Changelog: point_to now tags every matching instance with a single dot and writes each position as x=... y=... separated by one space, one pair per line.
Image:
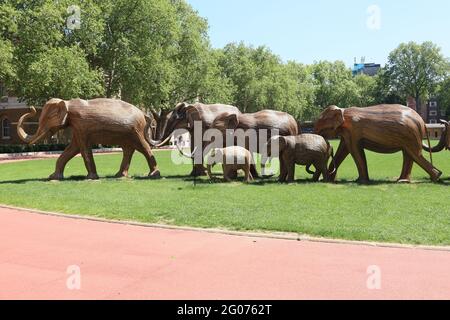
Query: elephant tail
x=308 y=169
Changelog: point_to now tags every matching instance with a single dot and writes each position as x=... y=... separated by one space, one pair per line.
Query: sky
x=314 y=30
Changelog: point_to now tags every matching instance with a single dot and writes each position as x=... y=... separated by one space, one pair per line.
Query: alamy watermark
x=373 y=21
x=73 y=281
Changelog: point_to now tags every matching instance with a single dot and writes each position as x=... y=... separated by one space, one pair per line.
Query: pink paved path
x=129 y=262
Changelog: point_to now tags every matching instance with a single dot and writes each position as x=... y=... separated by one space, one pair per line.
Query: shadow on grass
x=23 y=181
x=217 y=179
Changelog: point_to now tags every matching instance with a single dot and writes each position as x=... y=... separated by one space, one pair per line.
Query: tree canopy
x=156 y=53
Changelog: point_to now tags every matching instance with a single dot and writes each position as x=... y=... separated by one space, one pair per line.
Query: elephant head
x=329 y=122
x=276 y=145
x=182 y=117
x=53 y=117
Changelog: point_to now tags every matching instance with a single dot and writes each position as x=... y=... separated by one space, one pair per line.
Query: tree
x=48 y=58
x=415 y=69
x=334 y=85
x=366 y=90
x=443 y=95
x=7 y=70
x=62 y=73
x=156 y=53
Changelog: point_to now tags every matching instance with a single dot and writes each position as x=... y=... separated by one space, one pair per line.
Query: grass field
x=384 y=211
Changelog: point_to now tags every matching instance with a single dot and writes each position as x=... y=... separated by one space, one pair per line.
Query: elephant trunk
x=185 y=154
x=165 y=138
x=442 y=143
x=25 y=137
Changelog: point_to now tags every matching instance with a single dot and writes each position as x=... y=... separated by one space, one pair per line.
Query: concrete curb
x=264 y=235
x=32 y=155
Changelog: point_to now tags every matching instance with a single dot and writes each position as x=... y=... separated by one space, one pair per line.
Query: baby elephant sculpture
x=99 y=121
x=232 y=160
x=305 y=149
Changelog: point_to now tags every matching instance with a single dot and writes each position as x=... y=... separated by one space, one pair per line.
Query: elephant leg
x=254 y=172
x=359 y=157
x=323 y=168
x=198 y=169
x=341 y=154
x=291 y=172
x=248 y=174
x=318 y=172
x=283 y=171
x=226 y=173
x=146 y=150
x=233 y=174
x=407 y=168
x=434 y=173
x=89 y=162
x=71 y=151
x=125 y=166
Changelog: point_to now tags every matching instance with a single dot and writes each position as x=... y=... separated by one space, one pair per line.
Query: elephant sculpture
x=444 y=142
x=232 y=159
x=99 y=121
x=273 y=121
x=306 y=150
x=383 y=129
x=183 y=117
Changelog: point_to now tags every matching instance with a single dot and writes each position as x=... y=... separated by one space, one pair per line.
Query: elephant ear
x=63 y=112
x=180 y=111
x=282 y=143
x=55 y=113
x=231 y=122
x=337 y=115
x=192 y=115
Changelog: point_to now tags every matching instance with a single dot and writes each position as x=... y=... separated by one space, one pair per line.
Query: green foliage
x=416 y=69
x=334 y=85
x=62 y=73
x=443 y=95
x=156 y=53
x=7 y=69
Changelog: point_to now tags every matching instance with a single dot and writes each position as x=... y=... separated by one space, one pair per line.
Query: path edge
x=264 y=235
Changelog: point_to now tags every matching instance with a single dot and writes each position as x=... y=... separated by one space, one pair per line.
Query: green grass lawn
x=418 y=213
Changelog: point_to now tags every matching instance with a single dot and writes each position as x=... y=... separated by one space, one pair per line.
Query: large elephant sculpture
x=184 y=117
x=275 y=122
x=444 y=142
x=99 y=121
x=382 y=129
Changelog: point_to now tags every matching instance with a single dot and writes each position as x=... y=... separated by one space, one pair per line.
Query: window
x=433 y=113
x=433 y=121
x=433 y=104
x=6 y=129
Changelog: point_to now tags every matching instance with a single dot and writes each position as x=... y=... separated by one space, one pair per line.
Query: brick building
x=431 y=114
x=10 y=112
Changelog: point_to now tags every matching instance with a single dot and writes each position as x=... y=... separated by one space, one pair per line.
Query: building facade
x=369 y=69
x=431 y=113
x=10 y=112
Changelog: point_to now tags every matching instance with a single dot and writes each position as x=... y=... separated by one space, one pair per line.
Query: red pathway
x=130 y=262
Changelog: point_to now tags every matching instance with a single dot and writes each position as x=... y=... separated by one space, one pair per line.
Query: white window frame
x=433 y=121
x=433 y=113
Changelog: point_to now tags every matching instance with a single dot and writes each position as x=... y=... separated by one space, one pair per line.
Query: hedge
x=23 y=148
